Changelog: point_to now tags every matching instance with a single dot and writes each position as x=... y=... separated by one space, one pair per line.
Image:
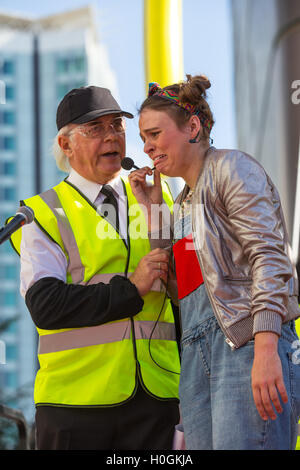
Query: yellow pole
x=163 y=41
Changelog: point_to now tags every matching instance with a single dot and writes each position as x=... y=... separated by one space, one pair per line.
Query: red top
x=188 y=272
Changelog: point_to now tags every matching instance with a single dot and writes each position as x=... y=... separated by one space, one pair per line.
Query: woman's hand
x=146 y=194
x=267 y=378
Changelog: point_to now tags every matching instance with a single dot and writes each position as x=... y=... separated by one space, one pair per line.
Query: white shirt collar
x=90 y=189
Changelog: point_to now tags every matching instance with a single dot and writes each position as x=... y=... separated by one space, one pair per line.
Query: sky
x=207 y=49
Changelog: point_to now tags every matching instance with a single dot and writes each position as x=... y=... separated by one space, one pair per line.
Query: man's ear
x=64 y=143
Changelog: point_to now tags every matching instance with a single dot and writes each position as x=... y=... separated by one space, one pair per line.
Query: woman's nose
x=148 y=148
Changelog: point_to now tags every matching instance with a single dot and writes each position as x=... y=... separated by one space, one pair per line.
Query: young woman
x=237 y=288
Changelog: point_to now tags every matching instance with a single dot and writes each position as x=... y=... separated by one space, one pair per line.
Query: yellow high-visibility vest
x=100 y=365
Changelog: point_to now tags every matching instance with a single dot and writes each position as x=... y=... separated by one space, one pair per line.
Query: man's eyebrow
x=91 y=123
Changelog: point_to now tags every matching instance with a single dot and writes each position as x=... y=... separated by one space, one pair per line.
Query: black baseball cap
x=84 y=104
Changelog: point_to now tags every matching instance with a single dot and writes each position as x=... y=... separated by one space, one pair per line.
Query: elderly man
x=108 y=355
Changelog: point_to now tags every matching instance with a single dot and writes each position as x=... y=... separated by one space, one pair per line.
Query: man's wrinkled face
x=95 y=149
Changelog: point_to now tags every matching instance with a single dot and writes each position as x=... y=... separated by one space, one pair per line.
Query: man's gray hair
x=61 y=159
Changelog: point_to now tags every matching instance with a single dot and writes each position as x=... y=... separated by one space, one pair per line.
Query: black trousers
x=143 y=423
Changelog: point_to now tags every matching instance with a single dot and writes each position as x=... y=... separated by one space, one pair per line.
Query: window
x=9 y=117
x=8 y=272
x=62 y=65
x=64 y=88
x=8 y=168
x=11 y=352
x=70 y=65
x=11 y=380
x=77 y=64
x=8 y=67
x=8 y=193
x=8 y=142
x=8 y=298
x=10 y=93
x=12 y=327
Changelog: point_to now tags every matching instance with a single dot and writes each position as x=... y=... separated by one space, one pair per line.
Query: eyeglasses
x=96 y=129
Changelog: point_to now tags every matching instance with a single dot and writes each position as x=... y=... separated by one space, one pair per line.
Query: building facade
x=40 y=61
x=266 y=38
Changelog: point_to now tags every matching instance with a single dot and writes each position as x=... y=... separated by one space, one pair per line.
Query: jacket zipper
x=227 y=337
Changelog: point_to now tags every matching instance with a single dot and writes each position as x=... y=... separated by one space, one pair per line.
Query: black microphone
x=25 y=215
x=127 y=163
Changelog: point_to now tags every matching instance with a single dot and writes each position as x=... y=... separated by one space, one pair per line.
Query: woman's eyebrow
x=150 y=129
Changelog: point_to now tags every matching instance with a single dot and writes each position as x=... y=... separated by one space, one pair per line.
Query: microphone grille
x=27 y=212
x=127 y=163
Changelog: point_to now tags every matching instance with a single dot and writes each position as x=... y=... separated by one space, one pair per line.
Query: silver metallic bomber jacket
x=242 y=246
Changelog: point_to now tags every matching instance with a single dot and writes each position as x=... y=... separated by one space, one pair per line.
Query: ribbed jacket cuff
x=267 y=321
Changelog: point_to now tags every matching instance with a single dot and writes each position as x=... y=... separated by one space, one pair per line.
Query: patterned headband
x=155 y=89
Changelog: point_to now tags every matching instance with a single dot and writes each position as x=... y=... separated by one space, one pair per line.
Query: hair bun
x=199 y=82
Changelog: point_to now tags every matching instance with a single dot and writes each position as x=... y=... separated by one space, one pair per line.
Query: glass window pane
x=62 y=65
x=9 y=142
x=9 y=168
x=10 y=272
x=10 y=194
x=79 y=64
x=9 y=117
x=10 y=298
x=11 y=352
x=8 y=67
x=12 y=327
x=9 y=93
x=11 y=380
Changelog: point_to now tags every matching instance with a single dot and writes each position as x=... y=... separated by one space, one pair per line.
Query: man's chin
x=110 y=170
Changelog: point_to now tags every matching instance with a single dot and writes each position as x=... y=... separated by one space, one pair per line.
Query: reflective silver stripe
x=102 y=334
x=156 y=287
x=162 y=330
x=75 y=267
x=82 y=337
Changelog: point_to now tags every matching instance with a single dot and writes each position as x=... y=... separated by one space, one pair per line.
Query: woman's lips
x=160 y=158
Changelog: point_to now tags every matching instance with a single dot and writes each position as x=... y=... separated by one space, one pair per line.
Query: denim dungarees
x=216 y=401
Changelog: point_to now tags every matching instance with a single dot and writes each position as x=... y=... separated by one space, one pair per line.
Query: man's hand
x=267 y=378
x=151 y=267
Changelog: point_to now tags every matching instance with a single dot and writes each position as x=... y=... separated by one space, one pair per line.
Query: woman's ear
x=195 y=129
